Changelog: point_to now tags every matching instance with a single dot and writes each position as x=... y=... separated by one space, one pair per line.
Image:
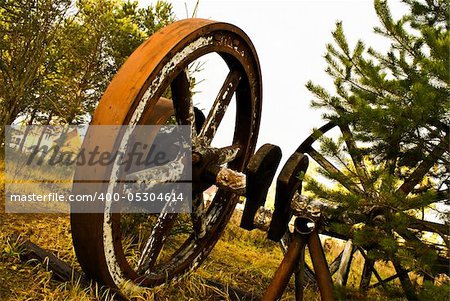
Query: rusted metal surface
x=197 y=215
x=219 y=107
x=262 y=219
x=308 y=142
x=323 y=277
x=285 y=270
x=308 y=218
x=288 y=182
x=260 y=172
x=300 y=276
x=133 y=98
x=227 y=154
x=305 y=234
x=231 y=180
x=304 y=225
x=309 y=273
x=155 y=242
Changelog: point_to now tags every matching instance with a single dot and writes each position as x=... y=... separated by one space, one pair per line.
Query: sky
x=290 y=39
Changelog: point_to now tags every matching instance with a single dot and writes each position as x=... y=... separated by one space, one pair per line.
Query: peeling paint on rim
x=215 y=215
x=242 y=59
x=108 y=244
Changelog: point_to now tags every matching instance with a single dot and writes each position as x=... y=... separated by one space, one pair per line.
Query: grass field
x=241 y=259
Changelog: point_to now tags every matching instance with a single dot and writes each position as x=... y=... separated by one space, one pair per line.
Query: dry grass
x=235 y=261
x=241 y=259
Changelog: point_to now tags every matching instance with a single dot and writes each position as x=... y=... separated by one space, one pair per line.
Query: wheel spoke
x=334 y=172
x=228 y=153
x=219 y=106
x=424 y=166
x=344 y=265
x=147 y=179
x=182 y=100
x=375 y=272
x=198 y=215
x=155 y=242
x=299 y=275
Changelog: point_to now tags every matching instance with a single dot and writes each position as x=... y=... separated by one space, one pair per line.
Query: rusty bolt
x=299 y=203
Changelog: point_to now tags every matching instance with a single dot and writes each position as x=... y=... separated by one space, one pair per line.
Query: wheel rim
x=182 y=42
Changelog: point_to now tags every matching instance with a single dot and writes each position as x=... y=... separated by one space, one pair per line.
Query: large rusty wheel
x=134 y=97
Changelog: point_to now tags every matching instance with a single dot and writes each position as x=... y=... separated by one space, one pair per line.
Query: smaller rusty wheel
x=148 y=250
x=344 y=267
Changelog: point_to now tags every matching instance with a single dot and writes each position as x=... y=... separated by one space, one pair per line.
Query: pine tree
x=58 y=56
x=393 y=111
